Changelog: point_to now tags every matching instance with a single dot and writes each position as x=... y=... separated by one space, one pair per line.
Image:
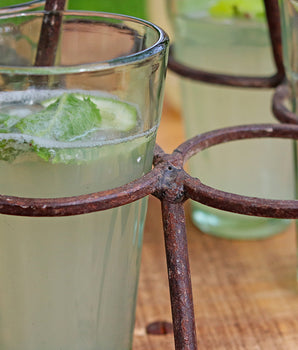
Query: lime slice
x=114 y=114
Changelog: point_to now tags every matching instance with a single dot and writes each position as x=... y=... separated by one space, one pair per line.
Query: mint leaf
x=115 y=114
x=250 y=9
x=10 y=149
x=66 y=119
x=7 y=122
x=70 y=117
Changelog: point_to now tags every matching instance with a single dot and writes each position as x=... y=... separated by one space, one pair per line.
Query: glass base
x=235 y=226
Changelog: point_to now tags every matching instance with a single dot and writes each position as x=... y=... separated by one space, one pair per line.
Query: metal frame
x=169 y=182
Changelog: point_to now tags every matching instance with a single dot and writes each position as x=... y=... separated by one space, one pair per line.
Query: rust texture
x=274 y=26
x=159 y=328
x=179 y=275
x=55 y=5
x=50 y=31
x=273 y=17
x=81 y=204
x=195 y=190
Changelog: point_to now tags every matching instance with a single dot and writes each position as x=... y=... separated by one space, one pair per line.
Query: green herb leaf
x=250 y=9
x=7 y=122
x=70 y=117
x=67 y=119
x=10 y=149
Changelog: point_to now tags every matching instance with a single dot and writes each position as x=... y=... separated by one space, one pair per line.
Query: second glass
x=220 y=37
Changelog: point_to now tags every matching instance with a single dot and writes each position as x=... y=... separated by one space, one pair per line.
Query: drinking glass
x=85 y=124
x=225 y=40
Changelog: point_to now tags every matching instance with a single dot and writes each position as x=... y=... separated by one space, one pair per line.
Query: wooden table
x=245 y=293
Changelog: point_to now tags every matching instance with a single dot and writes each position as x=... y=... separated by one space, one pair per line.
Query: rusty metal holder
x=169 y=182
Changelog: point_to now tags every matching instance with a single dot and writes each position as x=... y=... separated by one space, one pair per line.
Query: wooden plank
x=245 y=293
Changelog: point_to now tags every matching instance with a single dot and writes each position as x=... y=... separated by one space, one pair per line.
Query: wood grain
x=245 y=292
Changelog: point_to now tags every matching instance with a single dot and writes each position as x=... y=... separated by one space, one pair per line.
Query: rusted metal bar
x=49 y=35
x=281 y=112
x=170 y=190
x=55 y=5
x=88 y=203
x=273 y=16
x=233 y=133
x=282 y=209
x=195 y=190
x=179 y=276
x=221 y=79
x=274 y=26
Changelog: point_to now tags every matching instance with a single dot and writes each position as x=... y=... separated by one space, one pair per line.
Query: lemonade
x=73 y=278
x=218 y=40
x=84 y=124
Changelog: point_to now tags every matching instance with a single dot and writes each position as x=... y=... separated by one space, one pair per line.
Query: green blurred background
x=137 y=8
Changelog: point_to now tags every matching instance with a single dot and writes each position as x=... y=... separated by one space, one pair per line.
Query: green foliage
x=250 y=9
x=135 y=8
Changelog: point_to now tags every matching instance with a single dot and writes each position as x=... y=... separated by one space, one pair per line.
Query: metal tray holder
x=173 y=186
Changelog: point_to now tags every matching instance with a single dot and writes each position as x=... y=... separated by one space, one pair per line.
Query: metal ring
x=285 y=116
x=222 y=79
x=66 y=206
x=203 y=194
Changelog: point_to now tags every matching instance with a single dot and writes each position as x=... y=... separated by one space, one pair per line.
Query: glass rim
x=155 y=49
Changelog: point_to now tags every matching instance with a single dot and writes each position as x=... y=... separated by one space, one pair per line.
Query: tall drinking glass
x=231 y=38
x=88 y=123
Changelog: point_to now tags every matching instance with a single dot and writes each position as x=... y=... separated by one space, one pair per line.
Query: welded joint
x=171 y=183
